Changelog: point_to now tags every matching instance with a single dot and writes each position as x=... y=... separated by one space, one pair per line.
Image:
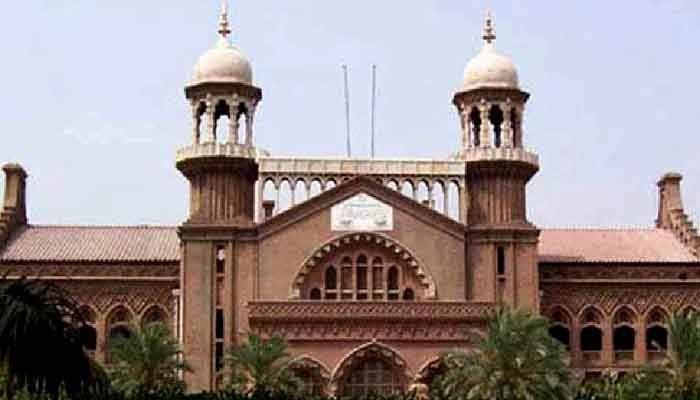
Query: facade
x=377 y=265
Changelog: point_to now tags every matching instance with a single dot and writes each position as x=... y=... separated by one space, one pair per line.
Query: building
x=378 y=265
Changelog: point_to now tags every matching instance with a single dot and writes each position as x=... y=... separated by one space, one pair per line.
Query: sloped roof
x=612 y=245
x=52 y=243
x=93 y=244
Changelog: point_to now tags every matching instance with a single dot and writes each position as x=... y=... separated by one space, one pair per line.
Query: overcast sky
x=93 y=106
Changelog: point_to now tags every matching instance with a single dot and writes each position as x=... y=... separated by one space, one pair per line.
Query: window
x=408 y=294
x=392 y=283
x=220 y=259
x=88 y=337
x=657 y=338
x=372 y=376
x=315 y=294
x=475 y=126
x=591 y=339
x=561 y=334
x=500 y=261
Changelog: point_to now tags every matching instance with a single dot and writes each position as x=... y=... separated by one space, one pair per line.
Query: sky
x=93 y=107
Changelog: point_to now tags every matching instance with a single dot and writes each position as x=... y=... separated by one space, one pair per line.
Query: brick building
x=374 y=266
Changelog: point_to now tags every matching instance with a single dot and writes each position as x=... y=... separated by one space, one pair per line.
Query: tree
x=261 y=366
x=146 y=361
x=683 y=361
x=516 y=360
x=40 y=342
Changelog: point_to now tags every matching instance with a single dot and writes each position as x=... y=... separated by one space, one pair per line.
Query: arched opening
x=657 y=334
x=315 y=294
x=200 y=111
x=154 y=314
x=624 y=334
x=372 y=376
x=439 y=199
x=407 y=189
x=346 y=286
x=88 y=338
x=423 y=194
x=312 y=376
x=300 y=192
x=115 y=335
x=377 y=278
x=392 y=283
x=496 y=120
x=361 y=277
x=284 y=196
x=330 y=184
x=408 y=295
x=623 y=342
x=475 y=126
x=591 y=339
x=331 y=283
x=222 y=115
x=393 y=185
x=515 y=127
x=453 y=200
x=561 y=334
x=242 y=123
x=315 y=188
x=270 y=197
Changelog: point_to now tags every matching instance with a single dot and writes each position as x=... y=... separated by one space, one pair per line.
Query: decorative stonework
x=396 y=321
x=673 y=272
x=362 y=212
x=137 y=296
x=366 y=238
x=610 y=298
x=92 y=271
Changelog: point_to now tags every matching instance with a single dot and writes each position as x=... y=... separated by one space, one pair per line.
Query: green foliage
x=646 y=384
x=683 y=362
x=261 y=366
x=39 y=321
x=517 y=360
x=148 y=361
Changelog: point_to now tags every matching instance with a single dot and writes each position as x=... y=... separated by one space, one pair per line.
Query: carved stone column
x=195 y=123
x=249 y=118
x=233 y=126
x=507 y=129
x=485 y=131
x=211 y=126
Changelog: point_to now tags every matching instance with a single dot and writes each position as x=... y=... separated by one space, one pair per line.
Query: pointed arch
x=560 y=324
x=313 y=374
x=429 y=290
x=429 y=370
x=373 y=351
x=154 y=313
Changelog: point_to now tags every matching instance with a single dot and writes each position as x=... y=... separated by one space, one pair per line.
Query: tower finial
x=489 y=34
x=224 y=30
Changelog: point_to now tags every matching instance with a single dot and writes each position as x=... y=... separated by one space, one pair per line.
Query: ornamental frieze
x=609 y=298
x=137 y=296
x=620 y=272
x=93 y=270
x=350 y=310
x=427 y=331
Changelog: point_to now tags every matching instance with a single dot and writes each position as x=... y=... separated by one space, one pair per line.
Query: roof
x=93 y=244
x=612 y=245
x=54 y=243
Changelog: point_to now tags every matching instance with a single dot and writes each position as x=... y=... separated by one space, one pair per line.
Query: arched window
x=475 y=126
x=392 y=283
x=315 y=294
x=361 y=277
x=408 y=294
x=657 y=334
x=561 y=327
x=346 y=284
x=496 y=120
x=372 y=376
x=377 y=278
x=88 y=338
x=154 y=314
x=115 y=334
x=591 y=339
x=624 y=334
x=561 y=334
x=331 y=283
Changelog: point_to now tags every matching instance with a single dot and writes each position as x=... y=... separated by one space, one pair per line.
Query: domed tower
x=217 y=249
x=502 y=243
x=220 y=160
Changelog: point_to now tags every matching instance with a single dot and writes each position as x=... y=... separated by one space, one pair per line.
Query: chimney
x=670 y=200
x=14 y=209
x=268 y=208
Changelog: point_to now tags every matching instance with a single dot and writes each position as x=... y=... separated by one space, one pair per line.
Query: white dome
x=490 y=69
x=223 y=63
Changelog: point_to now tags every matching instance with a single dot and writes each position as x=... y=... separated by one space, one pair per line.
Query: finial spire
x=489 y=34
x=224 y=30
